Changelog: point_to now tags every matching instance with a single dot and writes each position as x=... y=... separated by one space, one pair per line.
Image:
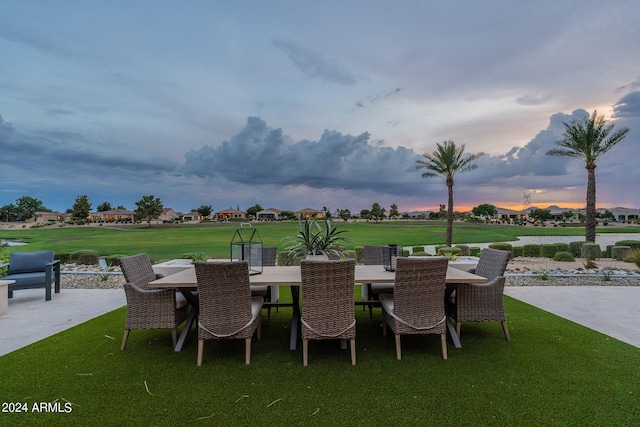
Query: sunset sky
x=296 y=104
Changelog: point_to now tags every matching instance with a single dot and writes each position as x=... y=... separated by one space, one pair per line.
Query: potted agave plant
x=314 y=241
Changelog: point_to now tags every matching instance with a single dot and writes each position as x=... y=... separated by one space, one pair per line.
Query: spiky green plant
x=314 y=239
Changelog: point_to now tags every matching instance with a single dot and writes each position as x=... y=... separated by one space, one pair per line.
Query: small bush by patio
x=563 y=247
x=475 y=250
x=446 y=251
x=591 y=250
x=420 y=253
x=634 y=257
x=563 y=256
x=531 y=250
x=518 y=251
x=620 y=252
x=84 y=257
x=548 y=250
x=464 y=249
x=576 y=248
x=634 y=244
x=417 y=249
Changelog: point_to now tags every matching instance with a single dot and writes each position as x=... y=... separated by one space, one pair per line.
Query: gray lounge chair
x=32 y=270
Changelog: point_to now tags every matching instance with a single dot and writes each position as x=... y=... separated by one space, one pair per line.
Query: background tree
x=377 y=212
x=253 y=210
x=588 y=139
x=149 y=208
x=104 y=206
x=393 y=211
x=344 y=214
x=81 y=208
x=447 y=161
x=326 y=212
x=27 y=206
x=485 y=210
x=365 y=214
x=8 y=213
x=541 y=215
x=567 y=214
x=287 y=215
x=204 y=210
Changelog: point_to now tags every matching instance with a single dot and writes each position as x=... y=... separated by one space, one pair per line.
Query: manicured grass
x=553 y=372
x=171 y=241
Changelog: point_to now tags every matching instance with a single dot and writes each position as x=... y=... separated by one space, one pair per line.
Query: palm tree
x=447 y=161
x=588 y=139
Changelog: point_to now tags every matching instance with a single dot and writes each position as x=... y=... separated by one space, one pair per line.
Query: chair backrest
x=492 y=263
x=419 y=290
x=327 y=294
x=29 y=262
x=224 y=294
x=374 y=255
x=137 y=269
x=269 y=255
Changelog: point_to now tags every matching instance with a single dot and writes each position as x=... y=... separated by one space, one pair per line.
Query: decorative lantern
x=389 y=256
x=246 y=245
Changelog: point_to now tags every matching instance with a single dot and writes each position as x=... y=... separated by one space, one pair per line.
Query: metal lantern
x=389 y=256
x=246 y=245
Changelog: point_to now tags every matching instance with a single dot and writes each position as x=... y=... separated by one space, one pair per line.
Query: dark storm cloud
x=261 y=155
x=314 y=65
x=628 y=106
x=69 y=152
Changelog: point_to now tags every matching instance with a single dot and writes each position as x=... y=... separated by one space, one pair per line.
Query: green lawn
x=171 y=241
x=553 y=372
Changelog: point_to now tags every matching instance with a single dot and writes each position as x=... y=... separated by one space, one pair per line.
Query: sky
x=297 y=104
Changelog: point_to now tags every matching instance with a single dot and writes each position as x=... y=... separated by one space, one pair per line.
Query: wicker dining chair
x=374 y=255
x=328 y=303
x=149 y=308
x=227 y=309
x=270 y=294
x=417 y=304
x=483 y=302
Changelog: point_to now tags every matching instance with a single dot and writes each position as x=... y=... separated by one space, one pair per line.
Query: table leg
x=193 y=316
x=451 y=328
x=295 y=318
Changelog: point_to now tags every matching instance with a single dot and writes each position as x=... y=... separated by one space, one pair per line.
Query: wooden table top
x=291 y=276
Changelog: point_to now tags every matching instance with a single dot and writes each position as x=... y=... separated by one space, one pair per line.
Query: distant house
x=48 y=216
x=270 y=214
x=168 y=214
x=230 y=214
x=625 y=214
x=191 y=216
x=309 y=213
x=113 y=215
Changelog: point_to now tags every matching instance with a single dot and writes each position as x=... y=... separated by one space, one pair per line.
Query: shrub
x=563 y=256
x=634 y=244
x=503 y=247
x=548 y=250
x=576 y=248
x=633 y=256
x=359 y=254
x=464 y=249
x=405 y=253
x=349 y=254
x=620 y=252
x=84 y=257
x=475 y=251
x=518 y=251
x=438 y=247
x=608 y=250
x=417 y=249
x=447 y=250
x=113 y=260
x=188 y=255
x=591 y=250
x=64 y=257
x=531 y=250
x=563 y=247
x=420 y=253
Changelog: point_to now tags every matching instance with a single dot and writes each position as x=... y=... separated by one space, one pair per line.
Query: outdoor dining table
x=185 y=281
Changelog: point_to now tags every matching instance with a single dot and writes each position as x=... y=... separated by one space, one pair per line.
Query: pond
x=9 y=242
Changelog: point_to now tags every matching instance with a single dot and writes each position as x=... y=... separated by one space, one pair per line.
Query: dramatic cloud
x=628 y=106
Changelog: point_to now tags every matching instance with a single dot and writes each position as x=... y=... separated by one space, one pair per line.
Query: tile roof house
x=309 y=213
x=230 y=214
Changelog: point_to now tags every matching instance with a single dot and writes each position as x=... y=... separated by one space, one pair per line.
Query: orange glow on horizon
x=511 y=206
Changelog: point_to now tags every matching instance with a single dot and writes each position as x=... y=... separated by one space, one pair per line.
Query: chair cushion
x=28 y=262
x=259 y=291
x=256 y=306
x=26 y=279
x=181 y=301
x=387 y=302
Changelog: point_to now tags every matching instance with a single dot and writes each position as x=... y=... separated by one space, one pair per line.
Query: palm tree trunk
x=450 y=213
x=590 y=224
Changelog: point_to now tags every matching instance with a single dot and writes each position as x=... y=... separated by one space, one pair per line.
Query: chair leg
x=305 y=352
x=124 y=339
x=398 y=350
x=443 y=338
x=247 y=351
x=506 y=330
x=353 y=351
x=200 y=351
x=174 y=336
